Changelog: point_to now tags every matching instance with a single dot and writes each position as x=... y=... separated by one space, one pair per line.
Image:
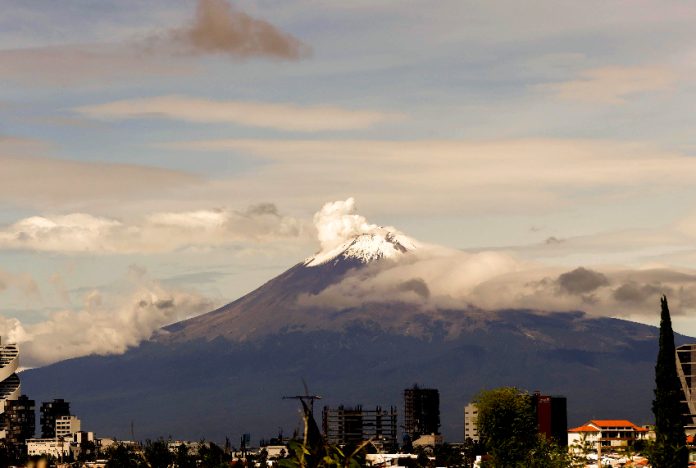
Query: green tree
x=157 y=454
x=212 y=456
x=122 y=456
x=88 y=452
x=469 y=452
x=506 y=425
x=447 y=455
x=183 y=459
x=548 y=454
x=669 y=450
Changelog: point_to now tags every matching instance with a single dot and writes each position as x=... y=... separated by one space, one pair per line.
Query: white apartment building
x=57 y=448
x=66 y=426
x=471 y=422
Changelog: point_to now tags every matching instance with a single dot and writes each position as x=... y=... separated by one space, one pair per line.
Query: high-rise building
x=19 y=420
x=471 y=422
x=421 y=411
x=353 y=425
x=9 y=382
x=686 y=369
x=50 y=412
x=552 y=417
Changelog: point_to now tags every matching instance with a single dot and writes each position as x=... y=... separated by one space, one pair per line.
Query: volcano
x=224 y=373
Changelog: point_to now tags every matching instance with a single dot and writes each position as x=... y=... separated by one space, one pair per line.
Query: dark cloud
x=636 y=293
x=415 y=285
x=553 y=240
x=262 y=209
x=220 y=28
x=581 y=281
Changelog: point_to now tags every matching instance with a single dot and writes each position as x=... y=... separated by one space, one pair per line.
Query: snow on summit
x=343 y=234
x=366 y=248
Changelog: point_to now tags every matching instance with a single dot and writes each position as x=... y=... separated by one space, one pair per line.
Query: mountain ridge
x=223 y=373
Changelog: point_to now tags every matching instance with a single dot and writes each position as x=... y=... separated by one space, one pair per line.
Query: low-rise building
x=428 y=440
x=53 y=447
x=609 y=433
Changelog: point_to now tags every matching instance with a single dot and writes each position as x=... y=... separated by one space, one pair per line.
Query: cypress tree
x=670 y=443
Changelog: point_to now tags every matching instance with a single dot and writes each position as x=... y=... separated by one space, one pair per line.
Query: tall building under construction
x=421 y=411
x=686 y=369
x=353 y=425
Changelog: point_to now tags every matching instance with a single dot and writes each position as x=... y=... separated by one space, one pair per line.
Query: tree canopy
x=669 y=450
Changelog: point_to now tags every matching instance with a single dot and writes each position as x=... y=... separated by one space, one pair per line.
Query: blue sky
x=179 y=149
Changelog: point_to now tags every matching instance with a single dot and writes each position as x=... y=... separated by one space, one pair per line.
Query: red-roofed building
x=611 y=433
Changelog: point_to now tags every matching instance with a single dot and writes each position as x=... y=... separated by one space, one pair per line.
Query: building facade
x=610 y=434
x=421 y=411
x=19 y=420
x=58 y=448
x=9 y=381
x=50 y=412
x=552 y=417
x=471 y=422
x=67 y=426
x=353 y=425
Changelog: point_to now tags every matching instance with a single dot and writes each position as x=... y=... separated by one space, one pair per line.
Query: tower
x=20 y=420
x=9 y=381
x=421 y=411
x=50 y=412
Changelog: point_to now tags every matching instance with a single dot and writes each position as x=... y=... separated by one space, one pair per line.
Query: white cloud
x=215 y=28
x=103 y=325
x=253 y=114
x=23 y=282
x=27 y=178
x=85 y=64
x=158 y=232
x=440 y=176
x=613 y=85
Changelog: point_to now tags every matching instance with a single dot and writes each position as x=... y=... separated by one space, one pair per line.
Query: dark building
x=50 y=411
x=19 y=420
x=552 y=417
x=353 y=425
x=421 y=411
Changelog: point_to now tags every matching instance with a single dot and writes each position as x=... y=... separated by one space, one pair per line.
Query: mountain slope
x=224 y=373
x=272 y=308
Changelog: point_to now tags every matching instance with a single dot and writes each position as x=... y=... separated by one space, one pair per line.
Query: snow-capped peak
x=377 y=244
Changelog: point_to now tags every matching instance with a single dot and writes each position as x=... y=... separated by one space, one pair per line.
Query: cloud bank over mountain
x=105 y=323
x=437 y=277
x=426 y=277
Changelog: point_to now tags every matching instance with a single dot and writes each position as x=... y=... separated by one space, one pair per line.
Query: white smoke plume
x=338 y=222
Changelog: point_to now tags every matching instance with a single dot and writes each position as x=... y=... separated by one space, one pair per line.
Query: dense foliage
x=508 y=430
x=669 y=449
